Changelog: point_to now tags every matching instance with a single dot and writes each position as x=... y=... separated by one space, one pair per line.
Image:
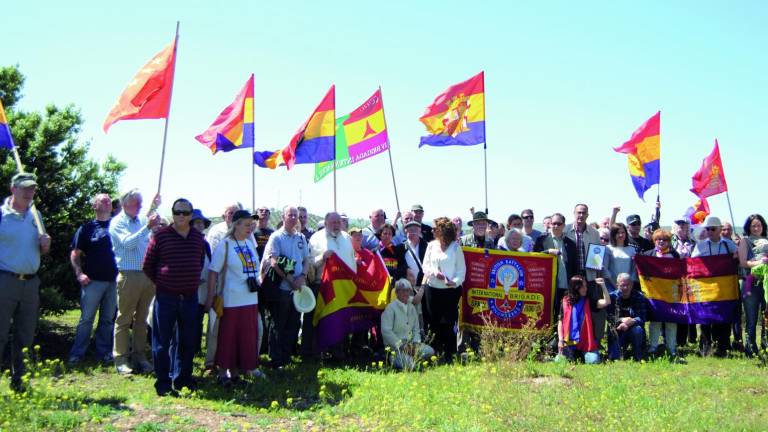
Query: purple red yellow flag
x=313 y=142
x=697 y=212
x=148 y=95
x=703 y=290
x=457 y=116
x=349 y=301
x=233 y=128
x=643 y=152
x=6 y=139
x=710 y=178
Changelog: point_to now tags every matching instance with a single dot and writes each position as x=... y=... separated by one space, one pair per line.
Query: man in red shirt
x=173 y=262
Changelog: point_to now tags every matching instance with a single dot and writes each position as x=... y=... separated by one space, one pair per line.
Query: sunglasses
x=711 y=228
x=527 y=217
x=605 y=239
x=182 y=213
x=556 y=223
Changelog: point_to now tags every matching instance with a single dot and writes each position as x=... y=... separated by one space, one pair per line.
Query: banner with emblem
x=702 y=290
x=507 y=289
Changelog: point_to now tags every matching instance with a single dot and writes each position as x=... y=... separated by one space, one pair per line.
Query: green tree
x=67 y=180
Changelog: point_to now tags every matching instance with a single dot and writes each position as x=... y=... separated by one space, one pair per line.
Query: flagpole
x=389 y=151
x=253 y=178
x=168 y=116
x=334 y=150
x=485 y=149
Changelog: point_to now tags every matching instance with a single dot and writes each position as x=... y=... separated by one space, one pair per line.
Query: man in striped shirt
x=173 y=262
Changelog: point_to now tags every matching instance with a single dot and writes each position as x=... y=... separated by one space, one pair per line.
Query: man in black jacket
x=556 y=243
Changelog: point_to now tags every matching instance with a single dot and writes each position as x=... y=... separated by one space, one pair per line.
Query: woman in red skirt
x=234 y=276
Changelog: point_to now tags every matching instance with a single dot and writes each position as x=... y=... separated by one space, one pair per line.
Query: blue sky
x=565 y=82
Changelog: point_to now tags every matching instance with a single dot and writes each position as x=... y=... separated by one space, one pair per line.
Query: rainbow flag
x=314 y=142
x=697 y=212
x=359 y=135
x=702 y=290
x=233 y=128
x=457 y=116
x=350 y=301
x=6 y=140
x=643 y=152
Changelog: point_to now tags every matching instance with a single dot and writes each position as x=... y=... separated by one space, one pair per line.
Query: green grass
x=706 y=394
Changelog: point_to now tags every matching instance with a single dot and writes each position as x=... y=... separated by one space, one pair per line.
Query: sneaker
x=124 y=369
x=143 y=367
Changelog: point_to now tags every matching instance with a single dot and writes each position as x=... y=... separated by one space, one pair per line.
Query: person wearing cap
x=418 y=216
x=478 y=238
x=263 y=231
x=444 y=271
x=130 y=232
x=330 y=241
x=583 y=235
x=714 y=244
x=93 y=262
x=235 y=267
x=401 y=330
x=684 y=244
x=173 y=262
x=634 y=226
x=286 y=242
x=20 y=248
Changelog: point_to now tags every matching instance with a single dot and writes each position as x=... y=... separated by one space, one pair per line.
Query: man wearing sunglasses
x=528 y=229
x=173 y=262
x=636 y=240
x=714 y=244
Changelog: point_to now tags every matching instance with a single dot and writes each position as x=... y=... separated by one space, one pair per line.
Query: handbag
x=218 y=299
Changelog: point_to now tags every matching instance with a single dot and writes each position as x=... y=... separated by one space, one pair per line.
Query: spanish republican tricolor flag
x=457 y=116
x=6 y=140
x=233 y=128
x=702 y=290
x=359 y=135
x=643 y=152
x=350 y=301
x=148 y=95
x=313 y=142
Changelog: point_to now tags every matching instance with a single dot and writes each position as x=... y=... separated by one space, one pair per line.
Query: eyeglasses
x=182 y=213
x=712 y=228
x=605 y=239
x=528 y=217
x=556 y=223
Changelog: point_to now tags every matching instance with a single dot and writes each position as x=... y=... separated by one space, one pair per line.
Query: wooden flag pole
x=389 y=152
x=32 y=208
x=165 y=132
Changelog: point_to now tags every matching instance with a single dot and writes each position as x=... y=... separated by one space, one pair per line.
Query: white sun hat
x=304 y=299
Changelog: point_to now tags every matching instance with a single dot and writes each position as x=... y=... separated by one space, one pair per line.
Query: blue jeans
x=174 y=322
x=98 y=296
x=752 y=301
x=635 y=335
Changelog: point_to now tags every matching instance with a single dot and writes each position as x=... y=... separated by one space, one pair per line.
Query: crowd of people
x=152 y=279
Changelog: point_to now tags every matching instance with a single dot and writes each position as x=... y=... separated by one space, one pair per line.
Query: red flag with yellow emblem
x=710 y=178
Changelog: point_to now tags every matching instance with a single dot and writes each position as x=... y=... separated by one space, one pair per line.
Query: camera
x=253 y=284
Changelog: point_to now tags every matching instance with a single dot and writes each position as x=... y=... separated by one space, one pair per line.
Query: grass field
x=707 y=394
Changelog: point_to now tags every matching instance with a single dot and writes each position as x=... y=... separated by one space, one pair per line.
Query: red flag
x=710 y=178
x=148 y=95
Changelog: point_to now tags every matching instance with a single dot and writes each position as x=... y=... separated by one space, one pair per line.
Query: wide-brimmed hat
x=304 y=299
x=712 y=222
x=197 y=214
x=478 y=216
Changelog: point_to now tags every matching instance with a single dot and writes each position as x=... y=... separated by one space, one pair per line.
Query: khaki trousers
x=134 y=295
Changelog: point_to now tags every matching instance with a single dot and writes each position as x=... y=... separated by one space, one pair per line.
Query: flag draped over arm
x=457 y=116
x=6 y=140
x=710 y=178
x=643 y=152
x=148 y=95
x=359 y=135
x=314 y=141
x=233 y=128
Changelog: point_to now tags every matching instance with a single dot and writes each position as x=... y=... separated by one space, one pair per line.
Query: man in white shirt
x=714 y=244
x=326 y=242
x=219 y=231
